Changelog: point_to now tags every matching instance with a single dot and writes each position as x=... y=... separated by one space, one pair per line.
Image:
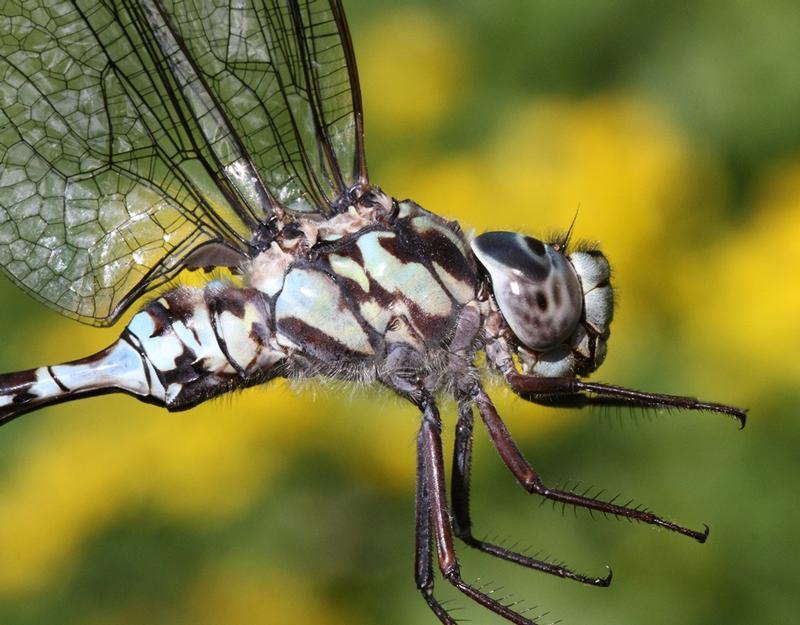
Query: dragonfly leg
x=529 y=479
x=462 y=522
x=433 y=502
x=423 y=564
x=575 y=393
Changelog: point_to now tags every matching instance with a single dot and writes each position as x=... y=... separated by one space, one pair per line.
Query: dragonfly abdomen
x=116 y=368
x=204 y=342
x=181 y=349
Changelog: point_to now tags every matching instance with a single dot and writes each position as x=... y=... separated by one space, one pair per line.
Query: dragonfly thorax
x=558 y=307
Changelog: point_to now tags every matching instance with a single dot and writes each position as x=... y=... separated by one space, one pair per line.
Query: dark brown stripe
x=187 y=369
x=17 y=381
x=438 y=248
x=162 y=319
x=181 y=304
x=215 y=305
x=64 y=388
x=23 y=398
x=131 y=340
x=316 y=342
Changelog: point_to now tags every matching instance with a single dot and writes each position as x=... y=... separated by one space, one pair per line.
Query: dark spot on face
x=535 y=246
x=541 y=300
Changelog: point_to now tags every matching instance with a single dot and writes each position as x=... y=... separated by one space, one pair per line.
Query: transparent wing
x=136 y=138
x=285 y=76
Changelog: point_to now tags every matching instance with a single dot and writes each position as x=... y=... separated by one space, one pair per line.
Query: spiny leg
x=429 y=446
x=423 y=563
x=575 y=393
x=462 y=523
x=531 y=482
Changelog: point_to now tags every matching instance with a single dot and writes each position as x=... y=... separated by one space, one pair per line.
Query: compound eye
x=534 y=285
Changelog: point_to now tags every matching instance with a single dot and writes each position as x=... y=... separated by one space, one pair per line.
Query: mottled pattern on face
x=535 y=287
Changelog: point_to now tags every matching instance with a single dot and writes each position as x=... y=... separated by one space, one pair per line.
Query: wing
x=286 y=78
x=137 y=138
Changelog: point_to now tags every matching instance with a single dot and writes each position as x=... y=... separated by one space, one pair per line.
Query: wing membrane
x=134 y=133
x=286 y=79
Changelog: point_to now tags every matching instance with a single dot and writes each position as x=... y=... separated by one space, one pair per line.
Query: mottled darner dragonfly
x=141 y=138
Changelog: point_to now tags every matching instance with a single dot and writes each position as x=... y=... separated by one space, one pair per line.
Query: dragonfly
x=144 y=138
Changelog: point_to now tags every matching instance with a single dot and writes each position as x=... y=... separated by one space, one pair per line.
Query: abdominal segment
x=185 y=347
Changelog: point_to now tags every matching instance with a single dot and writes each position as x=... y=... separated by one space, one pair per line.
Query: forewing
x=105 y=181
x=132 y=134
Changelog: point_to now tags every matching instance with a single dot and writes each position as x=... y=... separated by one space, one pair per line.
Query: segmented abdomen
x=201 y=343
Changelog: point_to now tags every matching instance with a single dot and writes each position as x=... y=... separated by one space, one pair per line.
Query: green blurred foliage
x=675 y=127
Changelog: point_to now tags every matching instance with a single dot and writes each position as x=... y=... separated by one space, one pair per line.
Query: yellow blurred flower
x=410 y=51
x=234 y=594
x=743 y=308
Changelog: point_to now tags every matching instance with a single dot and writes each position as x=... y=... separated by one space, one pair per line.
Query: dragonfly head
x=558 y=305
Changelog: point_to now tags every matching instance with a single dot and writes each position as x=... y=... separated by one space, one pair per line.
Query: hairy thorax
x=372 y=293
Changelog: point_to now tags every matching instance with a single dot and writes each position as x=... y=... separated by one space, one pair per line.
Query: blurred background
x=673 y=129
